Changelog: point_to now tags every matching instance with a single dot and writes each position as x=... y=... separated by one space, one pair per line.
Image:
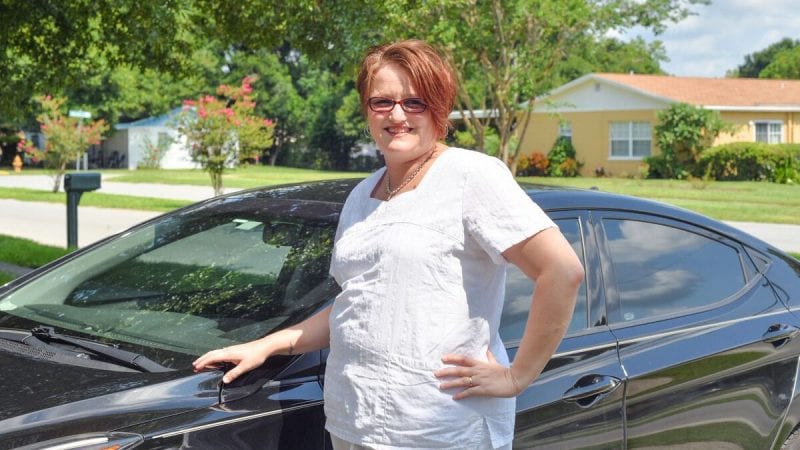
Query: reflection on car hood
x=33 y=393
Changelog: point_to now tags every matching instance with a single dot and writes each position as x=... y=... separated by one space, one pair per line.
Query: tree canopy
x=755 y=63
x=127 y=59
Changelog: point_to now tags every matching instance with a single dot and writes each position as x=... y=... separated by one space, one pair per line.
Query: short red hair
x=432 y=77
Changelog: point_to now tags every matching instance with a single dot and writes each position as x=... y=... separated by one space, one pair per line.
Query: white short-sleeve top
x=423 y=275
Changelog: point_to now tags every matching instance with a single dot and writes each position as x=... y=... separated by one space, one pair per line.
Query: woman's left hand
x=484 y=378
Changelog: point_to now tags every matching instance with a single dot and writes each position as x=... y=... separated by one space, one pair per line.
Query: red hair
x=431 y=76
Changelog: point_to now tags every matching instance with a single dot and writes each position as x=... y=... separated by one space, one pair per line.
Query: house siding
x=590 y=137
x=745 y=131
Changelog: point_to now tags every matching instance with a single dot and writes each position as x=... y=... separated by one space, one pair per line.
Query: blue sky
x=721 y=34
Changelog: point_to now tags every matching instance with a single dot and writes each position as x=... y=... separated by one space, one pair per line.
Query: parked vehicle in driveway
x=685 y=332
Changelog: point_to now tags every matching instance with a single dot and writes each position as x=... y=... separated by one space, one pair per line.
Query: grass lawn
x=747 y=201
x=97 y=199
x=241 y=177
x=27 y=253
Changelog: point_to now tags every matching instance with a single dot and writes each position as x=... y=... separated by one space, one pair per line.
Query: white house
x=127 y=147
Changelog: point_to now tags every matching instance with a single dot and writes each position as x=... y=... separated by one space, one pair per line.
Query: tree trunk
x=216 y=182
x=58 y=176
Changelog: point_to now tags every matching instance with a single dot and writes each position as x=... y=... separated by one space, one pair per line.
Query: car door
x=709 y=351
x=577 y=402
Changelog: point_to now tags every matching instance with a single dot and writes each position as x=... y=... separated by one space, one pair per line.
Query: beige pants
x=341 y=444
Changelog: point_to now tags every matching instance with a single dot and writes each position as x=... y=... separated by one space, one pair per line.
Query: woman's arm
x=548 y=259
x=308 y=335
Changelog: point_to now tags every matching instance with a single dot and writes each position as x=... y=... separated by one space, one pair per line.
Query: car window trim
x=611 y=293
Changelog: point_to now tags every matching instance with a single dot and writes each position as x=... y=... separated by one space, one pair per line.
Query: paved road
x=46 y=222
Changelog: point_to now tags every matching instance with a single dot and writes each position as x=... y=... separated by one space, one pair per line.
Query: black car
x=685 y=333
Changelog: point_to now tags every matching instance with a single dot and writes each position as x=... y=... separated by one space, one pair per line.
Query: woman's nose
x=397 y=113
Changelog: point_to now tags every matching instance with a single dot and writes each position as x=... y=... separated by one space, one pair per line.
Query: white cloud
x=721 y=34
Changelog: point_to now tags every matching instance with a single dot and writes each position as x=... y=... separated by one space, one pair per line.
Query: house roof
x=714 y=93
x=165 y=120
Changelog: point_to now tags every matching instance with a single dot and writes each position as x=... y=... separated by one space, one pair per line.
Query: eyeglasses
x=409 y=105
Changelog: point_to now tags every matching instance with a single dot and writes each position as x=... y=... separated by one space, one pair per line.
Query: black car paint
x=599 y=391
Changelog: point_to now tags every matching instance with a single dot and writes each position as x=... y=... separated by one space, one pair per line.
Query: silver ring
x=469 y=382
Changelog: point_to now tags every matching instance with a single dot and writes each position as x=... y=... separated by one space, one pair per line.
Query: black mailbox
x=81 y=182
x=76 y=184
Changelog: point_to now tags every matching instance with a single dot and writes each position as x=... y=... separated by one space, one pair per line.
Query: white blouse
x=423 y=275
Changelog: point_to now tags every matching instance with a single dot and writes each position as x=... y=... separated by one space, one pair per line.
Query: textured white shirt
x=423 y=275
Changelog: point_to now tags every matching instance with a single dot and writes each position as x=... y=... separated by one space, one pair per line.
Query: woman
x=415 y=356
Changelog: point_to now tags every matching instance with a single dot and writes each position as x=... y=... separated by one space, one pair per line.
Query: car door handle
x=589 y=388
x=779 y=334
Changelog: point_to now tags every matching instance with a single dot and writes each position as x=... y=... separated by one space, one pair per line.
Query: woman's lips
x=395 y=131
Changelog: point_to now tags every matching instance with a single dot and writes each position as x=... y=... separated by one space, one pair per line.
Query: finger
x=460 y=382
x=469 y=392
x=459 y=360
x=234 y=373
x=207 y=360
x=457 y=371
x=490 y=357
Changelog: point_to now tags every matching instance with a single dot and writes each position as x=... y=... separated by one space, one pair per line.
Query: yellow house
x=610 y=117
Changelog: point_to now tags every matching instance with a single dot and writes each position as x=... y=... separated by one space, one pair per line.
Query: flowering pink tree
x=223 y=129
x=66 y=138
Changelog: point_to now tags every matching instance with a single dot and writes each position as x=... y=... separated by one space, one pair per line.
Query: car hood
x=40 y=399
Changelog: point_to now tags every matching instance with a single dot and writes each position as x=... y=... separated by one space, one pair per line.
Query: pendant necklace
x=388 y=185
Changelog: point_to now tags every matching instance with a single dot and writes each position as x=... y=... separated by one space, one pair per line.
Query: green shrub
x=752 y=161
x=664 y=166
x=563 y=162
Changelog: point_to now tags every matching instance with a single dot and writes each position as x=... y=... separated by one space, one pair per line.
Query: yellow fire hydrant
x=17 y=163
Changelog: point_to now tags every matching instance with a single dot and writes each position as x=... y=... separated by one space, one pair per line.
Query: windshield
x=194 y=280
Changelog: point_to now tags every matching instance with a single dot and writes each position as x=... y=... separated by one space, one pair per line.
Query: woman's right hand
x=244 y=357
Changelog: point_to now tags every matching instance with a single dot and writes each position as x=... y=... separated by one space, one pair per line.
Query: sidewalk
x=47 y=222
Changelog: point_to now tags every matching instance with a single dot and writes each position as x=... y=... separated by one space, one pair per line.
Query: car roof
x=550 y=198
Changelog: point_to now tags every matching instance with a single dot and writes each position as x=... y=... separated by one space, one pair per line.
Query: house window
x=770 y=132
x=565 y=130
x=630 y=140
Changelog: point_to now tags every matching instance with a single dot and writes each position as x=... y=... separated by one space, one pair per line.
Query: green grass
x=97 y=199
x=6 y=277
x=27 y=253
x=748 y=201
x=242 y=177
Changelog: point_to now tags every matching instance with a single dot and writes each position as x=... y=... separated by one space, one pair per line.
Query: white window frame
x=773 y=137
x=565 y=129
x=630 y=138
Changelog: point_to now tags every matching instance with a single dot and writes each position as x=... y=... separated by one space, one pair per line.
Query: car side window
x=519 y=291
x=661 y=270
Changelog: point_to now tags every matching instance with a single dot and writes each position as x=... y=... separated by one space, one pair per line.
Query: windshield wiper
x=111 y=353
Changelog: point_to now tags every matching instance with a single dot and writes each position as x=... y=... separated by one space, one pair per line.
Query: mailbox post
x=76 y=184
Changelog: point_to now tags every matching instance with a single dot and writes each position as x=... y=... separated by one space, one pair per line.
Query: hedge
x=748 y=161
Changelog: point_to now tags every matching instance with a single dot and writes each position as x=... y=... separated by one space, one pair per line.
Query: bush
x=563 y=162
x=748 y=161
x=664 y=166
x=533 y=165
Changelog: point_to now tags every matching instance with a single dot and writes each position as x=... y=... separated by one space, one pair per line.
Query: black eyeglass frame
x=402 y=102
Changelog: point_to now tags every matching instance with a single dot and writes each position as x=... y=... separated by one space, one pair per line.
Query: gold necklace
x=388 y=185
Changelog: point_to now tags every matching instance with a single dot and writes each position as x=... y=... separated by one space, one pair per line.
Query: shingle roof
x=733 y=92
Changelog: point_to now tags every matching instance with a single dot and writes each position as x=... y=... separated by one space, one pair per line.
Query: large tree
x=506 y=52
x=50 y=44
x=756 y=62
x=785 y=65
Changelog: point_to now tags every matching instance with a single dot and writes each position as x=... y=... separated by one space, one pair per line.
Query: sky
x=721 y=34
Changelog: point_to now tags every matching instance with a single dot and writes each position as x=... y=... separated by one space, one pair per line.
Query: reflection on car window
x=196 y=281
x=661 y=270
x=519 y=290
